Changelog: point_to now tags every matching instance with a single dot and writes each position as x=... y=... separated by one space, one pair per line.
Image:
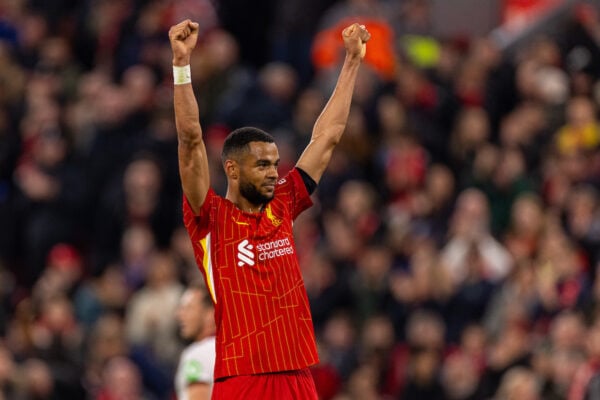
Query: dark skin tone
x=252 y=177
x=327 y=132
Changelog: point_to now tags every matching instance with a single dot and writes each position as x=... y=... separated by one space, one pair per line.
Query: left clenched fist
x=356 y=37
x=183 y=38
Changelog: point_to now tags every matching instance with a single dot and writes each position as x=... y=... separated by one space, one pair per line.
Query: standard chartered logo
x=245 y=253
x=266 y=251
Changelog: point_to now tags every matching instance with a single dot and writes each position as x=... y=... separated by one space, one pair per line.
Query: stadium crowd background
x=453 y=248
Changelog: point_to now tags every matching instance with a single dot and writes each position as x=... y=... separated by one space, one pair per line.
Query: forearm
x=331 y=124
x=193 y=160
x=187 y=116
x=332 y=121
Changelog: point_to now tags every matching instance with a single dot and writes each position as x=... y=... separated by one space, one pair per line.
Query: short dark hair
x=239 y=139
x=205 y=297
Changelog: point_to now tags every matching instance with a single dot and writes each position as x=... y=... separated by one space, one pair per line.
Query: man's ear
x=231 y=169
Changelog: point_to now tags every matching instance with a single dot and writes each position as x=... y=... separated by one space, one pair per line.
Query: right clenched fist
x=183 y=37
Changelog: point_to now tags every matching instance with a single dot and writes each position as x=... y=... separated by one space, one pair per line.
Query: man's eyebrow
x=264 y=161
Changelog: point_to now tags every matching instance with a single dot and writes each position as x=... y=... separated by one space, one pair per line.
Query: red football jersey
x=250 y=266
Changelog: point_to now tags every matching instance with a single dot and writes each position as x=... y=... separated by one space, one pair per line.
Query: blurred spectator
x=470 y=232
x=327 y=287
x=581 y=132
x=62 y=273
x=425 y=333
x=58 y=340
x=508 y=181
x=430 y=109
x=423 y=376
x=362 y=383
x=38 y=382
x=563 y=366
x=339 y=343
x=525 y=227
x=515 y=301
x=582 y=220
x=50 y=190
x=470 y=299
x=137 y=200
x=294 y=25
x=8 y=373
x=7 y=287
x=195 y=370
x=511 y=350
x=183 y=254
x=307 y=108
x=137 y=245
x=145 y=324
x=460 y=378
x=471 y=131
x=267 y=103
x=223 y=80
x=424 y=285
x=456 y=250
x=403 y=162
x=121 y=380
x=432 y=205
x=369 y=281
x=101 y=295
x=518 y=383
x=376 y=342
x=562 y=282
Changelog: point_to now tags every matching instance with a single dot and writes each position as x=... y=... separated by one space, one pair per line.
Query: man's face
x=190 y=314
x=258 y=172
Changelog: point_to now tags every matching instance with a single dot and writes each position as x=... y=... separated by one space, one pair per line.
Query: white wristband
x=182 y=75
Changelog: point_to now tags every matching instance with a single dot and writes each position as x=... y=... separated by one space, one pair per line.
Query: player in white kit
x=194 y=378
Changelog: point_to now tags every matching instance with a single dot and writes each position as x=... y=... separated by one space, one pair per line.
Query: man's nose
x=272 y=172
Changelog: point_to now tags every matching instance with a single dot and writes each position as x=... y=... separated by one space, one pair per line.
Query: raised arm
x=331 y=124
x=193 y=162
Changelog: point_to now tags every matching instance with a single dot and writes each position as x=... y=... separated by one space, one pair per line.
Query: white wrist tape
x=182 y=75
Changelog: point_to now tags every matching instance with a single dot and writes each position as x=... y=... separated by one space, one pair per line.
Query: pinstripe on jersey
x=250 y=266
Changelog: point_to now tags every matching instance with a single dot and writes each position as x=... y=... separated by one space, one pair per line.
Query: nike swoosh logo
x=240 y=222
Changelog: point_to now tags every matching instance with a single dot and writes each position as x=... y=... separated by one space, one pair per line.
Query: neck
x=243 y=204
x=204 y=334
x=251 y=209
x=248 y=207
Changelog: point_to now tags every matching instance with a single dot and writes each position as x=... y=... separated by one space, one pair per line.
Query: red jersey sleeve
x=300 y=198
x=198 y=225
x=198 y=228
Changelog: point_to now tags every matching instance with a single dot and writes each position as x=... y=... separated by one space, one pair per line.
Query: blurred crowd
x=454 y=243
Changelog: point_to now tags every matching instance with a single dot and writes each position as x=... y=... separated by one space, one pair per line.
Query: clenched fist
x=183 y=37
x=356 y=37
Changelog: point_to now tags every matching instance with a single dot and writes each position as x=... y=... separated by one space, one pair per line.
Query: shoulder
x=201 y=348
x=211 y=202
x=293 y=175
x=289 y=183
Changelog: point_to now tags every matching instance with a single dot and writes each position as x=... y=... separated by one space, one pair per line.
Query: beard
x=251 y=193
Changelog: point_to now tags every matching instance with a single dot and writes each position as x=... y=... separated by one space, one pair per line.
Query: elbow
x=334 y=140
x=335 y=136
x=190 y=141
x=330 y=135
x=189 y=132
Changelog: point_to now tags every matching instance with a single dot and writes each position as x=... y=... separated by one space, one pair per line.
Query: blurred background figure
x=457 y=250
x=195 y=370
